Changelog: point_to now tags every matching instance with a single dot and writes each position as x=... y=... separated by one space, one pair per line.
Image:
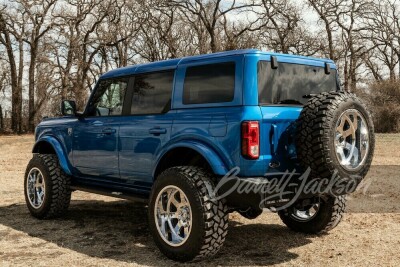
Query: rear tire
x=207 y=217
x=328 y=216
x=46 y=187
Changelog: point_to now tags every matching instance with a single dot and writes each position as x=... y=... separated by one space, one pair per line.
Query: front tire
x=318 y=218
x=46 y=187
x=186 y=222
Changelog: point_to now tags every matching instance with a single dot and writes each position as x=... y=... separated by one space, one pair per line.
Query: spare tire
x=335 y=137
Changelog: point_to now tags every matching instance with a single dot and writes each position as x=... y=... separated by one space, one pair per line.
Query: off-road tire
x=57 y=187
x=210 y=216
x=315 y=135
x=328 y=217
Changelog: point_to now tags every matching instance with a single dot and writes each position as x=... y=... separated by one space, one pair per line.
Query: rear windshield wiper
x=290 y=101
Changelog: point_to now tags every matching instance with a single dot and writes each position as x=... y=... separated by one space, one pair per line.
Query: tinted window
x=291 y=83
x=152 y=93
x=108 y=98
x=210 y=83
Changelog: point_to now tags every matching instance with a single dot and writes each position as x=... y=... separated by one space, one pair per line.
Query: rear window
x=152 y=93
x=292 y=83
x=212 y=83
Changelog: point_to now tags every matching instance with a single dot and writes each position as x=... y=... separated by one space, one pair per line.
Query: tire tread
x=59 y=182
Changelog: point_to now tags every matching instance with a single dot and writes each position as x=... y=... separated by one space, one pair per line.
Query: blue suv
x=199 y=137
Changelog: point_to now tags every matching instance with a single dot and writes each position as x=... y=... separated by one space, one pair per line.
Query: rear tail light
x=251 y=139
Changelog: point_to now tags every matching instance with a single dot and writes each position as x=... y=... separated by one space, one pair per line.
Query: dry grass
x=104 y=231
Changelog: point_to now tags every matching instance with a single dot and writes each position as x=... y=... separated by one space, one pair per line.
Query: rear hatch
x=282 y=93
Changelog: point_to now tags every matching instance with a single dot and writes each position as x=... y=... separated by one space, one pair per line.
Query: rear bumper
x=278 y=192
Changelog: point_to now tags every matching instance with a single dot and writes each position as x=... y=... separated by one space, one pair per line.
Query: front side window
x=211 y=83
x=152 y=93
x=108 y=98
x=292 y=84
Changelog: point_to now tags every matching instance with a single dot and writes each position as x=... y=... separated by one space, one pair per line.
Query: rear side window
x=212 y=83
x=292 y=83
x=152 y=93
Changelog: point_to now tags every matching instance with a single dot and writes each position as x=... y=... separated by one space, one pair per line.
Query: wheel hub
x=183 y=214
x=351 y=139
x=35 y=188
x=306 y=213
x=173 y=215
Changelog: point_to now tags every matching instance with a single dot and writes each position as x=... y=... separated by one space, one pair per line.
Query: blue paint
x=125 y=150
x=60 y=152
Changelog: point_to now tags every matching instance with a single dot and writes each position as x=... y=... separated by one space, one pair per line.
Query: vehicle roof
x=173 y=63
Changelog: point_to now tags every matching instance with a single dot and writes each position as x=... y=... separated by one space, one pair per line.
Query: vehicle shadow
x=118 y=230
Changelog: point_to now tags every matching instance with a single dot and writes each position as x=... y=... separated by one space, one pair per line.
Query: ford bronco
x=188 y=136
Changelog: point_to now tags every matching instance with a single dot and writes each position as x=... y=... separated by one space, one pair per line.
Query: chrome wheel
x=351 y=139
x=305 y=214
x=173 y=215
x=35 y=188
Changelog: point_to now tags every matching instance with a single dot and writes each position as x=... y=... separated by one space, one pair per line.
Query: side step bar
x=124 y=194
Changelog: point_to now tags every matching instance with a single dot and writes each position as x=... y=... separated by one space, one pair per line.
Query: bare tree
x=12 y=30
x=242 y=34
x=210 y=14
x=156 y=39
x=349 y=19
x=3 y=85
x=37 y=21
x=283 y=19
x=82 y=33
x=382 y=33
x=327 y=15
x=125 y=32
x=371 y=64
x=69 y=44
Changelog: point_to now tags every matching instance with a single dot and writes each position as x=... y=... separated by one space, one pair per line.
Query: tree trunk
x=345 y=75
x=352 y=70
x=31 y=93
x=398 y=56
x=16 y=82
x=1 y=120
x=213 y=44
x=330 y=42
x=392 y=75
x=19 y=85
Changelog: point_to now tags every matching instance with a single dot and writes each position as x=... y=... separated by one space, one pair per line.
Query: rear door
x=282 y=92
x=95 y=136
x=148 y=127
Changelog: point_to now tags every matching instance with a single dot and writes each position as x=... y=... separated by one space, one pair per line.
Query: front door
x=95 y=138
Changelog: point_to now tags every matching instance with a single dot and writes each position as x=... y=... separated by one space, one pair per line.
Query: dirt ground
x=103 y=231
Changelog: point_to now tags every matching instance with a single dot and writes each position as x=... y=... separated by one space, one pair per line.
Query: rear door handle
x=157 y=131
x=109 y=131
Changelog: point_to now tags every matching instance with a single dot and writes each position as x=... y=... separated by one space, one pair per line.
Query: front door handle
x=109 y=131
x=157 y=131
x=97 y=123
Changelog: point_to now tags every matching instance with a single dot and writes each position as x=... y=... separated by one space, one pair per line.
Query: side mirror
x=68 y=108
